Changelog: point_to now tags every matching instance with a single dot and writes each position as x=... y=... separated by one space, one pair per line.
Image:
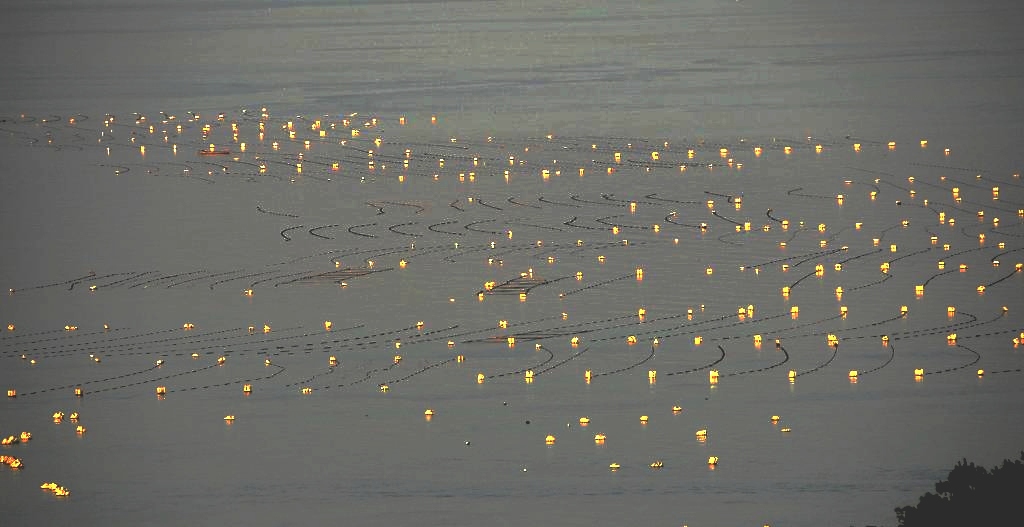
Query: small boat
x=224 y=152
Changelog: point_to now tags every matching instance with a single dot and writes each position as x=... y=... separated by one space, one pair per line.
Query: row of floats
x=832 y=340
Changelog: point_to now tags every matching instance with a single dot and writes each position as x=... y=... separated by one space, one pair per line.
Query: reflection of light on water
x=291 y=249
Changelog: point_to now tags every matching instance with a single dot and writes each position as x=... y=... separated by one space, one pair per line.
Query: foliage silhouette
x=971 y=495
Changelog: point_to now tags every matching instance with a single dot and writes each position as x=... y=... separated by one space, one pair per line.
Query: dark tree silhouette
x=971 y=496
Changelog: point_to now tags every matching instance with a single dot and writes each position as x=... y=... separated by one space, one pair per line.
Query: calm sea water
x=130 y=244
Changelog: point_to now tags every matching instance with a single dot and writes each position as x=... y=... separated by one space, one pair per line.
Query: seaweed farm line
x=391 y=309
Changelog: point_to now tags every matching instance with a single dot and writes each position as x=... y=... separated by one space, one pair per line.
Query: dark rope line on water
x=707 y=366
x=766 y=368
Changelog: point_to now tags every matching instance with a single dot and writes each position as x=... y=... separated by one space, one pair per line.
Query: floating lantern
x=12 y=393
x=775 y=419
x=247 y=389
x=981 y=373
x=78 y=391
x=794 y=311
x=550 y=439
x=584 y=421
x=161 y=390
x=676 y=409
x=644 y=419
x=713 y=376
x=587 y=375
x=614 y=466
x=792 y=375
x=384 y=388
x=713 y=460
x=652 y=376
x=853 y=374
x=903 y=311
x=528 y=376
x=919 y=372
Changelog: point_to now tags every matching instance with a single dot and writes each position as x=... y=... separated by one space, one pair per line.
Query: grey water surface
x=117 y=233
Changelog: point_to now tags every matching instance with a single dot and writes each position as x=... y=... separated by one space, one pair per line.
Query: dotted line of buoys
x=892 y=355
x=90 y=274
x=147 y=283
x=93 y=381
x=533 y=225
x=551 y=357
x=433 y=227
x=977 y=357
x=578 y=199
x=352 y=230
x=654 y=196
x=132 y=275
x=597 y=284
x=605 y=220
x=562 y=362
x=709 y=365
x=784 y=360
x=277 y=277
x=421 y=370
x=241 y=277
x=280 y=369
x=483 y=203
x=395 y=229
x=197 y=278
x=471 y=226
x=835 y=352
x=513 y=201
x=572 y=223
x=318 y=235
x=633 y=365
x=542 y=199
x=286 y=230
